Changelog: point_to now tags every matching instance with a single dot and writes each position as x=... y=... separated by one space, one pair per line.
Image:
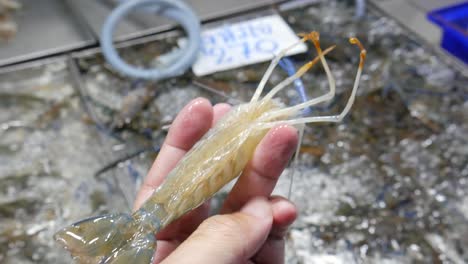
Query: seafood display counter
x=387 y=185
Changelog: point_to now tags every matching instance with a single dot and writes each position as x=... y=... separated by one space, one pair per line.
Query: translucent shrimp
x=216 y=159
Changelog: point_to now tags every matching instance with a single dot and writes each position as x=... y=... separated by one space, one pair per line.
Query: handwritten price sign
x=235 y=45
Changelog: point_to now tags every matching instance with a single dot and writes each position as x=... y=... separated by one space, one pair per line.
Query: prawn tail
x=106 y=239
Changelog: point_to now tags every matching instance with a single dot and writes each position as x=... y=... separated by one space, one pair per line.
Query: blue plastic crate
x=454 y=22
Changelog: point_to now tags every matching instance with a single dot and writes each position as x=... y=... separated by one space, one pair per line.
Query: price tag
x=235 y=45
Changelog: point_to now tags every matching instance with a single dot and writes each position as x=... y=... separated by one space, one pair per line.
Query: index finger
x=189 y=126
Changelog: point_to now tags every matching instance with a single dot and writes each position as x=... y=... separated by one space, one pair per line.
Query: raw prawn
x=215 y=160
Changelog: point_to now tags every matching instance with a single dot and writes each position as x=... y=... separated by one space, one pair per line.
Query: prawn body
x=215 y=160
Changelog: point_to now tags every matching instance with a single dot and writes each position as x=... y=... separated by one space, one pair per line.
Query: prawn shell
x=219 y=157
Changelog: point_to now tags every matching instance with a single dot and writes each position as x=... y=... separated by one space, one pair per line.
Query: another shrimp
x=215 y=160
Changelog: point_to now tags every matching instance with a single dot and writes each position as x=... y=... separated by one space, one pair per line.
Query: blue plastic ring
x=172 y=9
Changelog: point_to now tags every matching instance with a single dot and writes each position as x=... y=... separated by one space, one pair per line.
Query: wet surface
x=387 y=185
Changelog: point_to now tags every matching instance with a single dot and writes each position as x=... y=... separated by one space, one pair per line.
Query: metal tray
x=45 y=27
x=95 y=13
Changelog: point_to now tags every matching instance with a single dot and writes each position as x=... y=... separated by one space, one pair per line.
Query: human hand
x=252 y=223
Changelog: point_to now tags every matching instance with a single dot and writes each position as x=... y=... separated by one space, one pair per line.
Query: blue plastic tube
x=288 y=66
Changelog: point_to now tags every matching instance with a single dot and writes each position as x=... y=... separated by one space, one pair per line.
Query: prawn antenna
x=304 y=68
x=273 y=65
x=314 y=37
x=293 y=110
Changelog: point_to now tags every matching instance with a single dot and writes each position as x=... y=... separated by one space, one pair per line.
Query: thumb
x=229 y=238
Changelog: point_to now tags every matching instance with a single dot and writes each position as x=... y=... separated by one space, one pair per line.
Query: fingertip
x=284 y=211
x=199 y=107
x=191 y=123
x=199 y=102
x=284 y=134
x=219 y=110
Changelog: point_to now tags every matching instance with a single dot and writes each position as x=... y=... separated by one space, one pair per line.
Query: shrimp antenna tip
x=356 y=41
x=363 y=54
x=353 y=40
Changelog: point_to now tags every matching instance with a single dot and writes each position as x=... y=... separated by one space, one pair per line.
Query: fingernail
x=258 y=207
